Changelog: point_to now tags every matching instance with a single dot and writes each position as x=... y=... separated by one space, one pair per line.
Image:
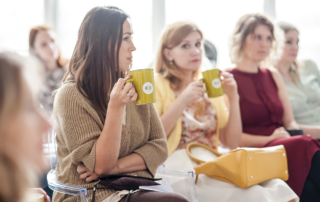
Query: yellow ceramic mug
x=143 y=81
x=213 y=82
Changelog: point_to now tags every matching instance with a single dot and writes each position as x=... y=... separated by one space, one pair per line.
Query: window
x=215 y=18
x=72 y=12
x=305 y=16
x=17 y=17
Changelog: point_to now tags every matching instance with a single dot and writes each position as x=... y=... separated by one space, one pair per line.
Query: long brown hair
x=61 y=62
x=13 y=176
x=171 y=37
x=94 y=65
x=245 y=26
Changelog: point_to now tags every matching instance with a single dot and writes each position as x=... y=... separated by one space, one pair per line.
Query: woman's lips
x=195 y=60
x=130 y=59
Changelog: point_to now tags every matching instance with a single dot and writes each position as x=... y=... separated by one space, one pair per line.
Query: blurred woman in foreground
x=21 y=130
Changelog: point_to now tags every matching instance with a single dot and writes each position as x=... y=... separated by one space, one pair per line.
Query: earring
x=171 y=62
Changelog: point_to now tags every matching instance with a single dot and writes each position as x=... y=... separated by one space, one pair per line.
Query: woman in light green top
x=302 y=79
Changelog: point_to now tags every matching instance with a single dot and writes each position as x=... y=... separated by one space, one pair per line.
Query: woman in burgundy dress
x=265 y=107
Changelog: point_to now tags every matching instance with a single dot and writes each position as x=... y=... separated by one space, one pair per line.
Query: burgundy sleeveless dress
x=262 y=112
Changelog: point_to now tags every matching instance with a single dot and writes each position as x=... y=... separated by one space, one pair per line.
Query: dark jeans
x=154 y=196
x=311 y=189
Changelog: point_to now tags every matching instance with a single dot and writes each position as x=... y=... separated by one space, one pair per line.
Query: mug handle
x=202 y=79
x=129 y=80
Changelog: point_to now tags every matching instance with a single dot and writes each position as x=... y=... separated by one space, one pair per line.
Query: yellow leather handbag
x=243 y=167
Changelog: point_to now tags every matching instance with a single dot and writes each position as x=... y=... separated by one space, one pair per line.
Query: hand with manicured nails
x=229 y=85
x=279 y=133
x=122 y=93
x=194 y=91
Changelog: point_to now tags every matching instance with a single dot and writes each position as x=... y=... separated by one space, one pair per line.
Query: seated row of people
x=98 y=124
x=100 y=131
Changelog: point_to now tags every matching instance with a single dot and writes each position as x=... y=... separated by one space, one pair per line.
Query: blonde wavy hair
x=171 y=37
x=15 y=177
x=285 y=28
x=246 y=26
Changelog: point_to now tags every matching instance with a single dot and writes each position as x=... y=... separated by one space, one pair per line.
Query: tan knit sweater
x=78 y=127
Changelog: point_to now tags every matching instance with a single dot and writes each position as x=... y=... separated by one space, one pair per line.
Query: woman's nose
x=52 y=46
x=196 y=50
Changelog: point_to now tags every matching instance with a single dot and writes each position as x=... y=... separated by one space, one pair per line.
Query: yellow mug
x=36 y=197
x=213 y=82
x=143 y=81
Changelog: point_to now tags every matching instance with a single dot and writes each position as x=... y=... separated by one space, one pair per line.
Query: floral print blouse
x=199 y=123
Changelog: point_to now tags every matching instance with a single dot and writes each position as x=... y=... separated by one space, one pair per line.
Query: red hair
x=61 y=62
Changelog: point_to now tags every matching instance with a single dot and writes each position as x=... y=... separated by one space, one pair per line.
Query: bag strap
x=196 y=160
x=196 y=144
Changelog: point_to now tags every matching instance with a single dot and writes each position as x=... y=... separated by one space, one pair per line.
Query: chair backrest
x=182 y=182
x=52 y=148
x=210 y=51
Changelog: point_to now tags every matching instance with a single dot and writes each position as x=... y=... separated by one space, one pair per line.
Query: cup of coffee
x=143 y=81
x=212 y=81
x=36 y=197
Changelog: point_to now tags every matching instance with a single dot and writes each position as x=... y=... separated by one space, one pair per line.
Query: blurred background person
x=265 y=108
x=21 y=129
x=43 y=45
x=302 y=78
x=189 y=115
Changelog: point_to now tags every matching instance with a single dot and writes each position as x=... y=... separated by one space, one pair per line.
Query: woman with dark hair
x=100 y=130
x=43 y=45
x=265 y=108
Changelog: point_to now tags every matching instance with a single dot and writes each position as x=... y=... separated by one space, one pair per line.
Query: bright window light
x=72 y=12
x=215 y=18
x=17 y=17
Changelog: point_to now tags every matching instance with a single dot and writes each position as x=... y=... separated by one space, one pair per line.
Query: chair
x=175 y=177
x=53 y=183
x=211 y=52
x=168 y=176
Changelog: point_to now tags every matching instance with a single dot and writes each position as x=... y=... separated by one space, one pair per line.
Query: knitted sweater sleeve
x=77 y=128
x=155 y=151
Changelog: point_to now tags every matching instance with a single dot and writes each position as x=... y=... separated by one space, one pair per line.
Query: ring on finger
x=86 y=175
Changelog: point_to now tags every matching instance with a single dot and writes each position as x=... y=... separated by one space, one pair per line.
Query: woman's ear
x=167 y=54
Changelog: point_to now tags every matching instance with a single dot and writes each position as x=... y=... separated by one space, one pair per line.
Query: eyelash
x=259 y=38
x=185 y=45
x=290 y=42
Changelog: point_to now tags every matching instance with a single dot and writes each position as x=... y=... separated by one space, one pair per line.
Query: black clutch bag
x=124 y=182
x=294 y=132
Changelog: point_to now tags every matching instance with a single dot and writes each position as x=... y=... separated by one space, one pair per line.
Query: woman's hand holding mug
x=192 y=92
x=122 y=93
x=229 y=85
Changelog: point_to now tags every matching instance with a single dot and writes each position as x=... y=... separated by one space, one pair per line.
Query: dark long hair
x=94 y=65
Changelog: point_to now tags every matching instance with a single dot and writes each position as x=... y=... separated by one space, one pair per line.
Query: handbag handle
x=196 y=144
x=196 y=160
